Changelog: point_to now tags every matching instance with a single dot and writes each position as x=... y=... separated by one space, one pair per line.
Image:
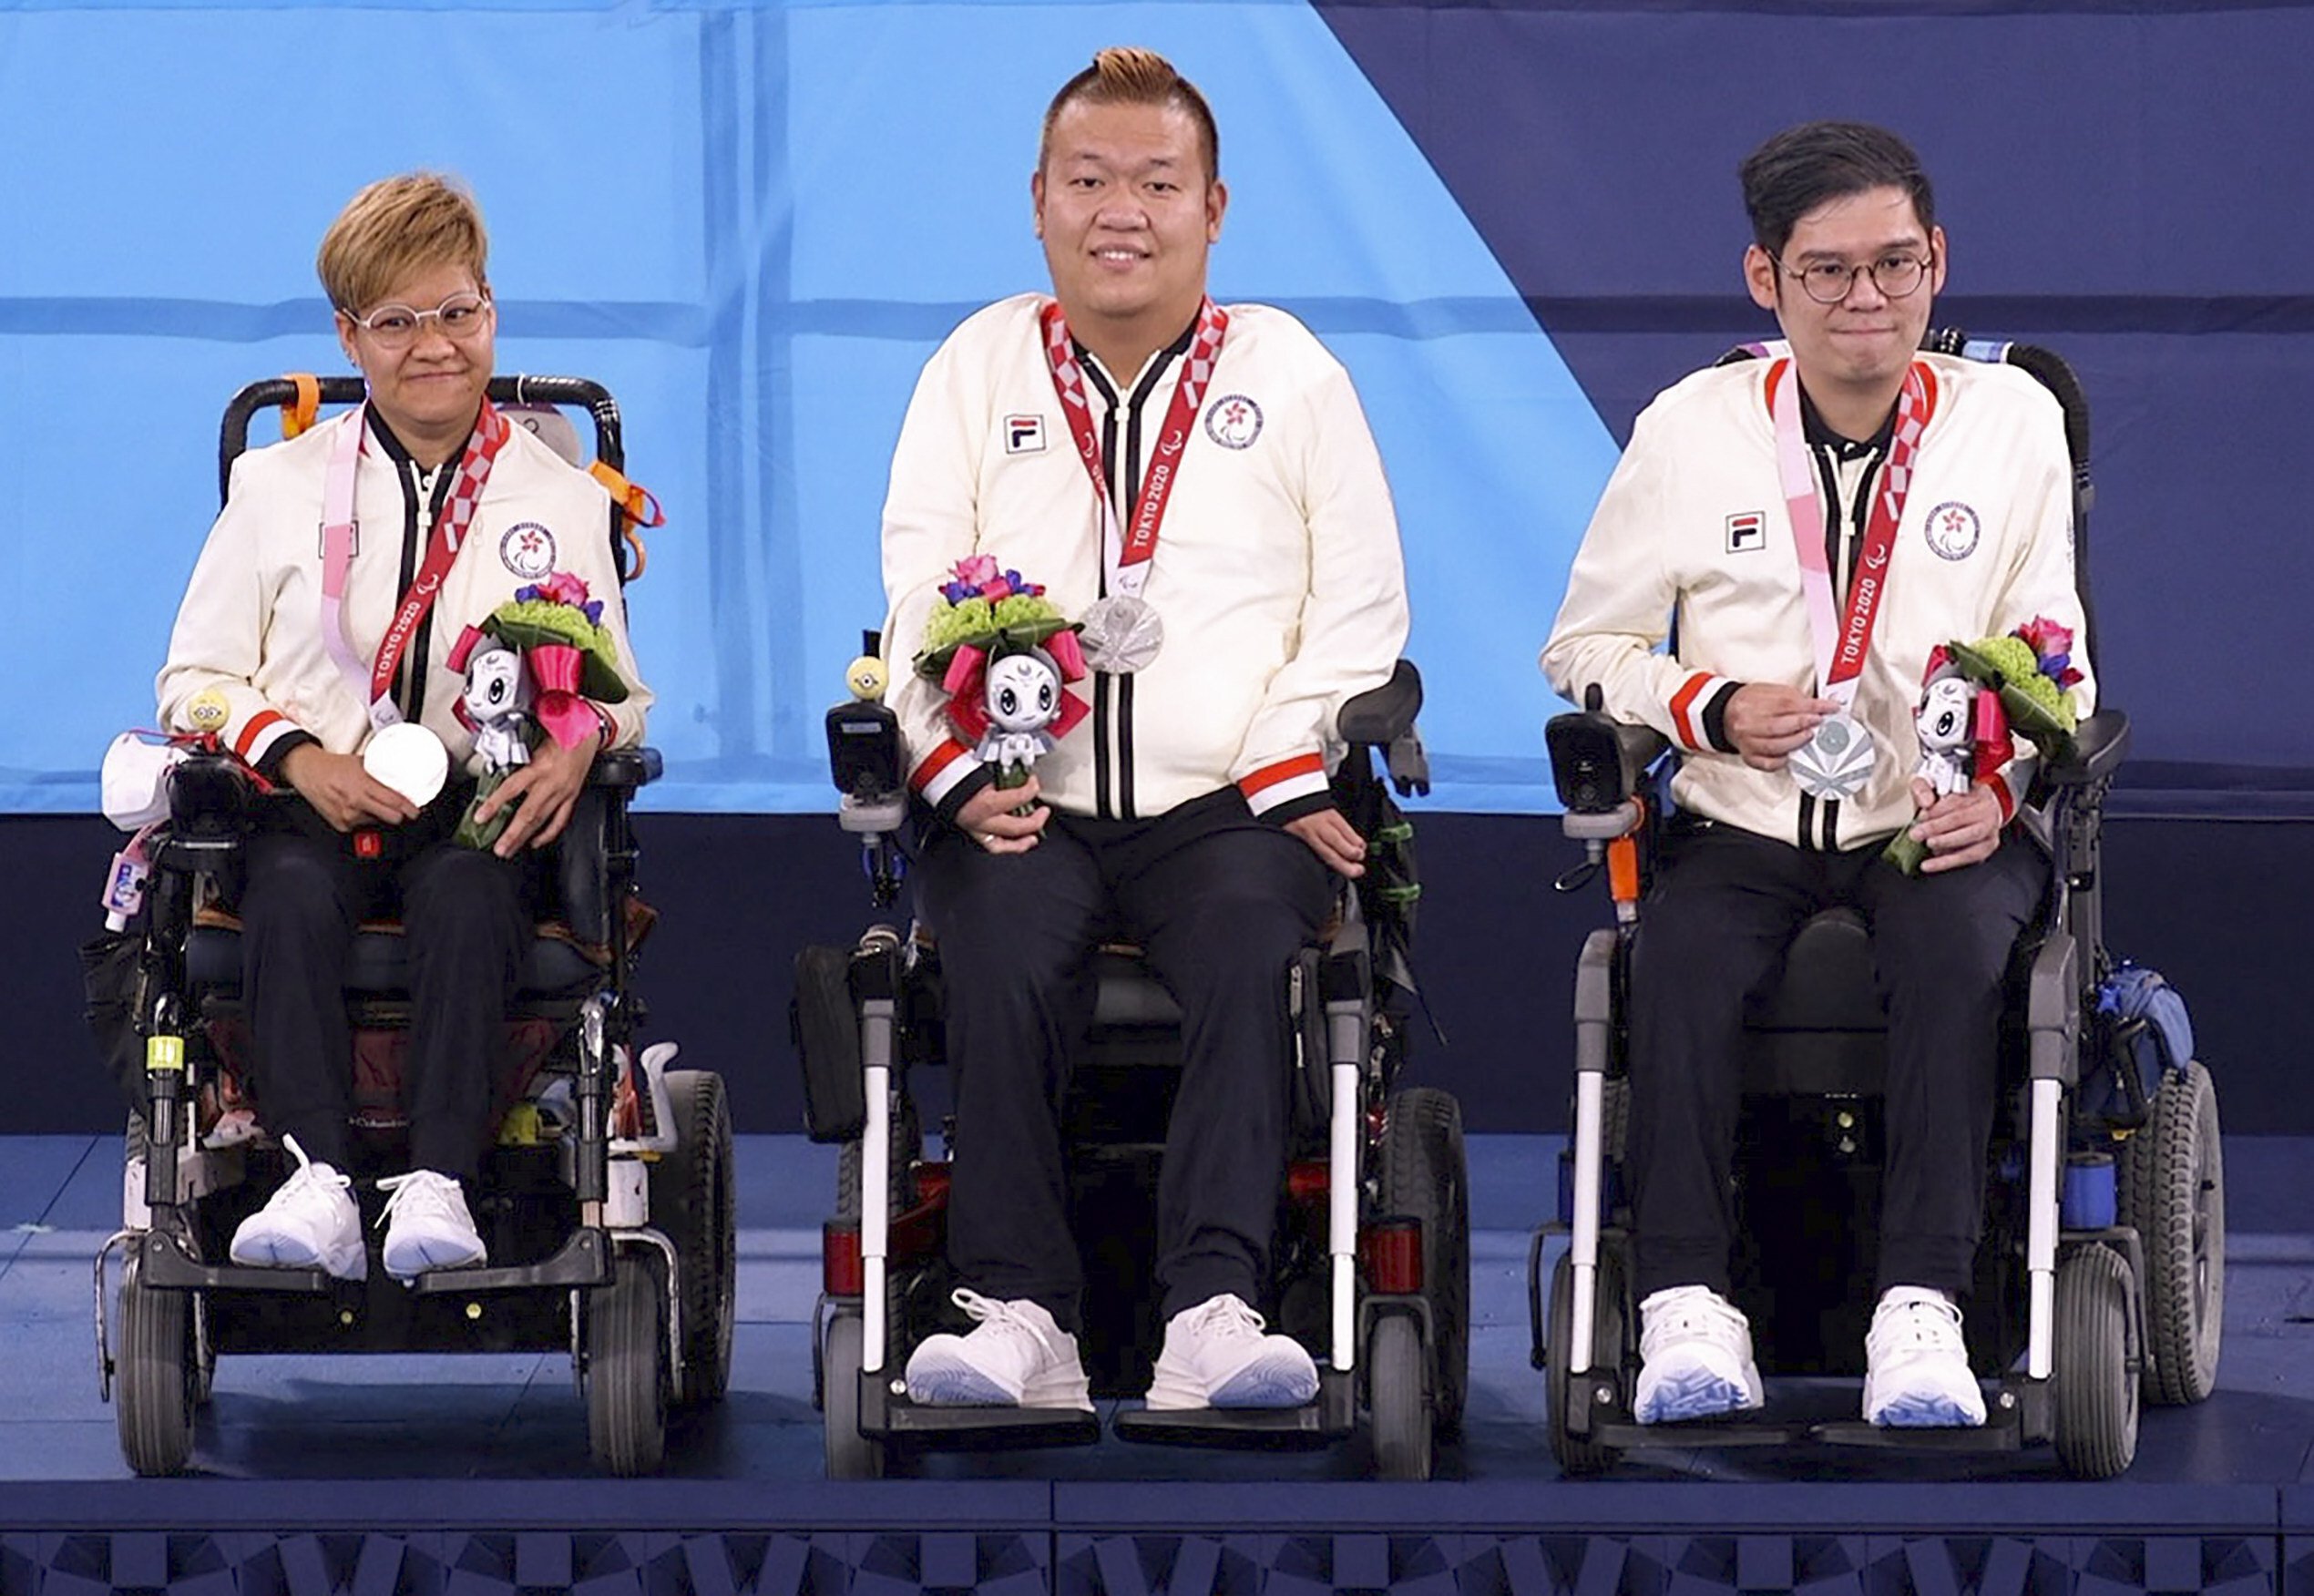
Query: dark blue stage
x=428 y=1476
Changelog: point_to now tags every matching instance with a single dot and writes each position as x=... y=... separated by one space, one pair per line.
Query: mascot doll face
x=495 y=687
x=1943 y=719
x=1023 y=693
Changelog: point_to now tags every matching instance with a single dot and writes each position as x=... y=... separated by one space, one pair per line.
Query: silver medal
x=1120 y=634
x=1836 y=761
x=408 y=758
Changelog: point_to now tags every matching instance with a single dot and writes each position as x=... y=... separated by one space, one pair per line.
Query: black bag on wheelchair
x=108 y=1000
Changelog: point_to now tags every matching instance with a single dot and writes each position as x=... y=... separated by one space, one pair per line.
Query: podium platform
x=429 y=1476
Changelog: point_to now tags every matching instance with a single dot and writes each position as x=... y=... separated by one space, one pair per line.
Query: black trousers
x=1712 y=931
x=466 y=919
x=1221 y=902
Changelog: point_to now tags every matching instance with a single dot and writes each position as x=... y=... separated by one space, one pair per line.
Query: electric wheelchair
x=2100 y=1279
x=1371 y=1261
x=607 y=1202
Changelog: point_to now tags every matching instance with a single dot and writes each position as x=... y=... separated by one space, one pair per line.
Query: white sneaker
x=427 y=1225
x=1016 y=1357
x=1916 y=1364
x=310 y=1224
x=1694 y=1358
x=1215 y=1355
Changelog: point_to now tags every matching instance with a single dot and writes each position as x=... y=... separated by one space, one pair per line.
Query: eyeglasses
x=1828 y=282
x=460 y=317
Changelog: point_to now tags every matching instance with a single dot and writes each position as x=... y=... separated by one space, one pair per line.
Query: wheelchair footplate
x=1321 y=1422
x=2018 y=1413
x=886 y=1414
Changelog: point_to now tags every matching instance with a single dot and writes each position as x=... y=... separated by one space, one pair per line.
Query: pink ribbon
x=568 y=719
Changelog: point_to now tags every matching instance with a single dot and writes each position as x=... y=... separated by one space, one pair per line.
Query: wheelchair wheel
x=1578 y=1455
x=626 y=1368
x=850 y=1454
x=1424 y=1176
x=156 y=1378
x=692 y=1203
x=2096 y=1419
x=2174 y=1193
x=1398 y=1405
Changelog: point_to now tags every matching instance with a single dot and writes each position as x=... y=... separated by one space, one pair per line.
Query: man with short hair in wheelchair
x=305 y=652
x=1815 y=524
x=1191 y=811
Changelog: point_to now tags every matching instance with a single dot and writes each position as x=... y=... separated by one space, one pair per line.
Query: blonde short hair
x=1130 y=76
x=396 y=228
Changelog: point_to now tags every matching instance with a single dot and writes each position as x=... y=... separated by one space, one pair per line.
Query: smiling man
x=1197 y=485
x=1818 y=523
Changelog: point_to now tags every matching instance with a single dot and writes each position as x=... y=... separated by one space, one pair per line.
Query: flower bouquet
x=1003 y=653
x=531 y=669
x=1975 y=699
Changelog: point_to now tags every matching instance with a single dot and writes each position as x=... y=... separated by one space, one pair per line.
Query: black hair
x=1801 y=168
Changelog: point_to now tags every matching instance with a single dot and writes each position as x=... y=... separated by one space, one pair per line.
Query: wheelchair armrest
x=1596 y=760
x=626 y=769
x=582 y=861
x=2099 y=745
x=1382 y=715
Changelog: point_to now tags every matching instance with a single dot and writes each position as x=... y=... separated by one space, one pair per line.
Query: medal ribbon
x=1125 y=552
x=1841 y=641
x=375 y=685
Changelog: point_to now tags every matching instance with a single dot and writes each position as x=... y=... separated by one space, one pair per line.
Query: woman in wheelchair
x=323 y=661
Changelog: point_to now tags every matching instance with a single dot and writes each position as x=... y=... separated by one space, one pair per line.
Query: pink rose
x=977 y=568
x=2045 y=636
x=564 y=587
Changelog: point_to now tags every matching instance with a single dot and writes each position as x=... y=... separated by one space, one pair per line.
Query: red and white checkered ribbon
x=1126 y=550
x=375 y=686
x=1842 y=639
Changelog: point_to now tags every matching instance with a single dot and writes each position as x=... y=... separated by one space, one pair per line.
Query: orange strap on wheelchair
x=1622 y=864
x=304 y=409
x=636 y=508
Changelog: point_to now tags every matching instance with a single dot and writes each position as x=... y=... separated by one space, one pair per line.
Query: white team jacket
x=1693 y=517
x=249 y=626
x=1277 y=572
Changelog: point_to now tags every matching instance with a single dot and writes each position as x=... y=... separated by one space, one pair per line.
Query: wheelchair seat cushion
x=1828 y=982
x=1127 y=994
x=554 y=964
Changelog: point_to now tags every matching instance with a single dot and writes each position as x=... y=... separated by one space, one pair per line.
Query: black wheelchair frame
x=614 y=1241
x=1373 y=1239
x=2108 y=1308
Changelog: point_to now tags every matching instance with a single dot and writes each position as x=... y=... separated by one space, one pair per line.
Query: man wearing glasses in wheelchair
x=330 y=661
x=1198 y=486
x=1806 y=528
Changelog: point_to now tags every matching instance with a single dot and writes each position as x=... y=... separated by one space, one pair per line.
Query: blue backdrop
x=1514 y=222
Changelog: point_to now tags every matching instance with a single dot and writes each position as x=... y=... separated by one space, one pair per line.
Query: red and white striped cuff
x=942 y=771
x=1302 y=776
x=259 y=733
x=1687 y=707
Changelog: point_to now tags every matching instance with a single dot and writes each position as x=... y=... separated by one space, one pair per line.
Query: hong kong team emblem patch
x=1233 y=421
x=1953 y=530
x=528 y=550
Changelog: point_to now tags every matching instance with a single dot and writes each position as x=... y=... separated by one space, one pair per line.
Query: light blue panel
x=199 y=154
x=753 y=223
